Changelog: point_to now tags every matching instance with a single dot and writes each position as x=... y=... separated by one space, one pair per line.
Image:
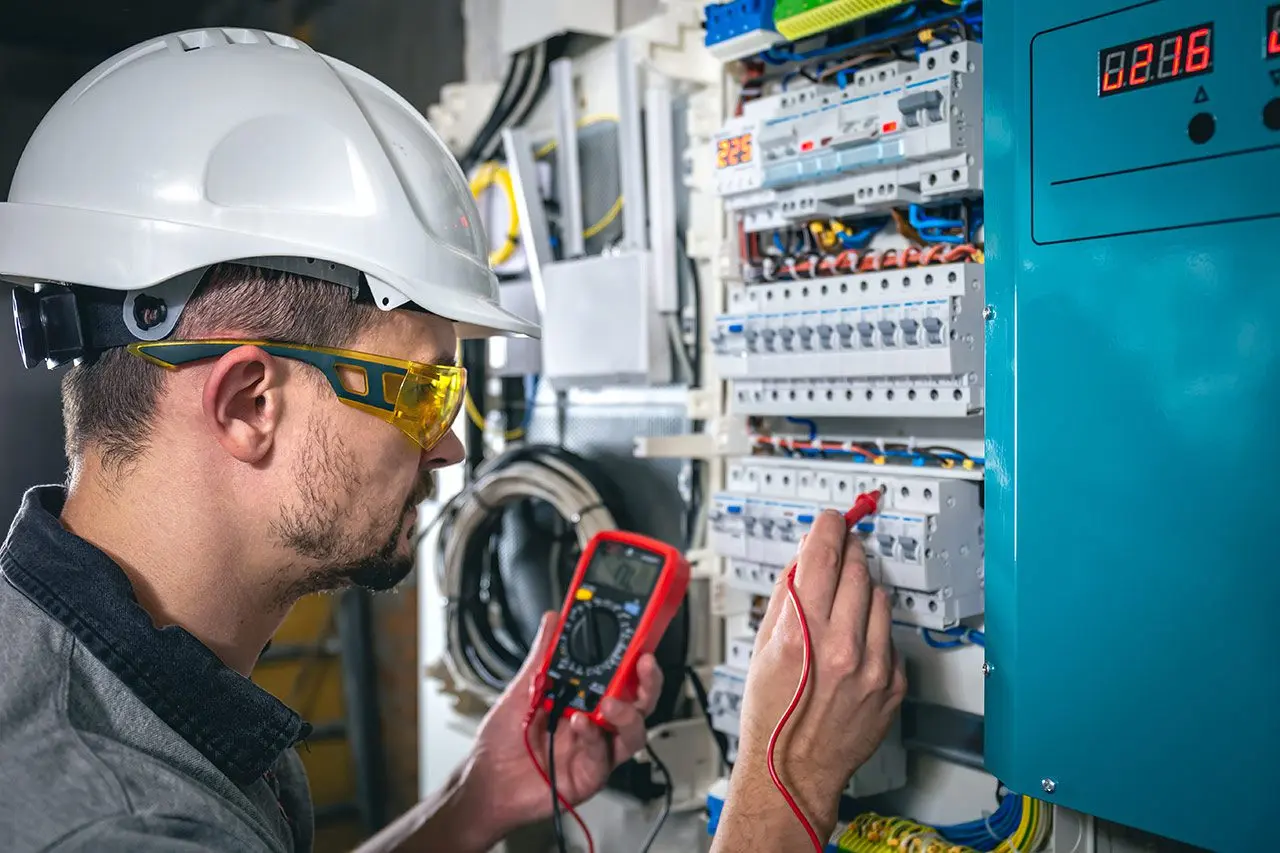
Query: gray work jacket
x=119 y=736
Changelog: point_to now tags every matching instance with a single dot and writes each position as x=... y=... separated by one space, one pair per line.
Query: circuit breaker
x=1133 y=387
x=924 y=545
x=897 y=133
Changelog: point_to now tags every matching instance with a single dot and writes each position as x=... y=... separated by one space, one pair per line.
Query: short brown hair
x=109 y=403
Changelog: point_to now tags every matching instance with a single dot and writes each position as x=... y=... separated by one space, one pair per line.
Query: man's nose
x=447 y=451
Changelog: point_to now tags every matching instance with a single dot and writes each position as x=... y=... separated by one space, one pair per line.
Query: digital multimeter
x=625 y=592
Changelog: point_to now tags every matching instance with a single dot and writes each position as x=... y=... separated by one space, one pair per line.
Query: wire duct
x=482 y=653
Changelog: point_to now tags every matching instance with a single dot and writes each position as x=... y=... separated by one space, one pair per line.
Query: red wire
x=865 y=505
x=591 y=844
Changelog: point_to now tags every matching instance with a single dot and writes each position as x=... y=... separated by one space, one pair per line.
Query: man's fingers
x=851 y=604
x=879 y=657
x=818 y=566
x=537 y=651
x=650 y=684
x=628 y=722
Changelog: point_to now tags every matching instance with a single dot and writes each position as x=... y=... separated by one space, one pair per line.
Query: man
x=263 y=261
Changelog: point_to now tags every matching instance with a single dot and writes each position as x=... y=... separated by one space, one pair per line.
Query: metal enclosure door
x=1133 y=368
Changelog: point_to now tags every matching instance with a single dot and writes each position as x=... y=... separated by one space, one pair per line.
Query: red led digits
x=1161 y=59
x=1142 y=56
x=1170 y=58
x=1199 y=54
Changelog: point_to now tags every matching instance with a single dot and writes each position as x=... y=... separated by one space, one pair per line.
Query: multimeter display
x=624 y=567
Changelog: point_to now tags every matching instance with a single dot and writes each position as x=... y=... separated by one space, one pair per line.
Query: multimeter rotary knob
x=594 y=636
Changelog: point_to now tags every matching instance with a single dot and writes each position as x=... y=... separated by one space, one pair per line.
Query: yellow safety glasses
x=421 y=399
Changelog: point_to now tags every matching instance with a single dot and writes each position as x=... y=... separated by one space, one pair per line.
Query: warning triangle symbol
x=1201 y=96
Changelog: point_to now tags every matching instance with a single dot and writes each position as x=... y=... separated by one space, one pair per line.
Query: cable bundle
x=483 y=655
x=867 y=452
x=1020 y=825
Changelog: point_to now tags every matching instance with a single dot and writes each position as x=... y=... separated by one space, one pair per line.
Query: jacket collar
x=241 y=728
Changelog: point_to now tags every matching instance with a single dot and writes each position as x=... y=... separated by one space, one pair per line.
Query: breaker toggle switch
x=768 y=335
x=885 y=543
x=888 y=332
x=910 y=331
x=806 y=336
x=933 y=330
x=824 y=335
x=867 y=334
x=787 y=335
x=846 y=333
x=753 y=338
x=921 y=104
x=910 y=549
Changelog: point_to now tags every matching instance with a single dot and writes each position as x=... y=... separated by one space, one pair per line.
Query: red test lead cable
x=533 y=756
x=864 y=506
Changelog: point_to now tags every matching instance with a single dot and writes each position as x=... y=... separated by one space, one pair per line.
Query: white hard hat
x=224 y=145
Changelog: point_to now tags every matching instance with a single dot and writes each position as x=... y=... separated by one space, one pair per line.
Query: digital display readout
x=624 y=567
x=1160 y=59
x=733 y=151
x=1273 y=31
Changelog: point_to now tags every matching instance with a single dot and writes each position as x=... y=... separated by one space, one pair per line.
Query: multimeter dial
x=595 y=636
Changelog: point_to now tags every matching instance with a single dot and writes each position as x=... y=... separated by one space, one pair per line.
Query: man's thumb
x=541 y=644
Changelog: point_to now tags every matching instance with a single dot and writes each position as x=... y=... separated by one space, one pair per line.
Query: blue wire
x=807 y=422
x=939 y=644
x=777 y=242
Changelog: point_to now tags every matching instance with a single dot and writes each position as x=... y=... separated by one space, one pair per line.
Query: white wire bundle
x=547 y=479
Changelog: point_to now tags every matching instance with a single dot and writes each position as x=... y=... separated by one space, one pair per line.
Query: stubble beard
x=314 y=528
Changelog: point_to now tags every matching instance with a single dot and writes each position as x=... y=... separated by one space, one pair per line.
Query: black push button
x=1201 y=128
x=1271 y=114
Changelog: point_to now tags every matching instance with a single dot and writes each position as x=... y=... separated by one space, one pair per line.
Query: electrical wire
x=866 y=452
x=862 y=507
x=667 y=798
x=496 y=175
x=558 y=799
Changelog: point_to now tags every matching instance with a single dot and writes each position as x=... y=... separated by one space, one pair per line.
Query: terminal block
x=858 y=142
x=740 y=28
x=797 y=19
x=901 y=342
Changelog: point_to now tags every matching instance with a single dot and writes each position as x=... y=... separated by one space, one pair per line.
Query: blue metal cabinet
x=1133 y=412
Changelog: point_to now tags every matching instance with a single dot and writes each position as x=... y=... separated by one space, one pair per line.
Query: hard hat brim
x=126 y=253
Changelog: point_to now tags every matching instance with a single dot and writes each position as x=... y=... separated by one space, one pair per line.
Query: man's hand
x=856 y=683
x=585 y=754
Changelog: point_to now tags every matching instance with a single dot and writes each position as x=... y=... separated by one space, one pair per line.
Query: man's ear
x=243 y=402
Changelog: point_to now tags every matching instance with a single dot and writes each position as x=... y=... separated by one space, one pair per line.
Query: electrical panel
x=898 y=133
x=892 y=343
x=851 y=340
x=924 y=545
x=1132 y=152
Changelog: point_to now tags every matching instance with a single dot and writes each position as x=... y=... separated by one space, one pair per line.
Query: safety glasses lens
x=427 y=402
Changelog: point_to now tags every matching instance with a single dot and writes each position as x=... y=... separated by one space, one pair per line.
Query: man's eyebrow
x=445 y=359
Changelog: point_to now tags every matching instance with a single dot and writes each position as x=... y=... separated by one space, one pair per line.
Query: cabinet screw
x=1048 y=785
x=988 y=313
x=987 y=668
